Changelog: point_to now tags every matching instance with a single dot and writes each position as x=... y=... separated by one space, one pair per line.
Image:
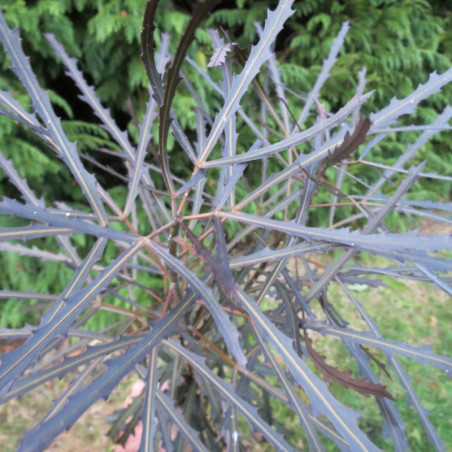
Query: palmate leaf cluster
x=211 y=274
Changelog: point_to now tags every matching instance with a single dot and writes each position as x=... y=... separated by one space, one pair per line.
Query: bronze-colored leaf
x=351 y=142
x=330 y=373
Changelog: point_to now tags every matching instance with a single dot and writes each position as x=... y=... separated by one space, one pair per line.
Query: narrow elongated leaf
x=280 y=90
x=408 y=105
x=296 y=291
x=266 y=102
x=29 y=295
x=152 y=71
x=200 y=176
x=411 y=150
x=331 y=373
x=31 y=232
x=413 y=399
x=227 y=280
x=198 y=201
x=35 y=252
x=394 y=425
x=440 y=282
x=148 y=416
x=15 y=111
x=102 y=386
x=89 y=96
x=75 y=386
x=14 y=363
x=26 y=384
x=138 y=168
x=392 y=242
x=296 y=139
x=301 y=217
x=422 y=354
x=294 y=401
x=36 y=213
x=433 y=263
x=351 y=142
x=202 y=8
x=21 y=184
x=268 y=255
x=231 y=174
x=225 y=389
x=268 y=214
x=247 y=119
x=78 y=280
x=341 y=175
x=373 y=223
x=258 y=56
x=224 y=324
x=403 y=378
x=21 y=67
x=182 y=426
x=324 y=73
x=229 y=187
x=148 y=53
x=343 y=418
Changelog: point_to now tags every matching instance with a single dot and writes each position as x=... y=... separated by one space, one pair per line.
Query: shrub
x=208 y=278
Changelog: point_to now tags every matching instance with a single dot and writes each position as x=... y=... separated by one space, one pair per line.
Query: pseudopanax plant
x=218 y=298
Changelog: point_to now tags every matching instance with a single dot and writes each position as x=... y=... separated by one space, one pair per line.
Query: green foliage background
x=399 y=42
